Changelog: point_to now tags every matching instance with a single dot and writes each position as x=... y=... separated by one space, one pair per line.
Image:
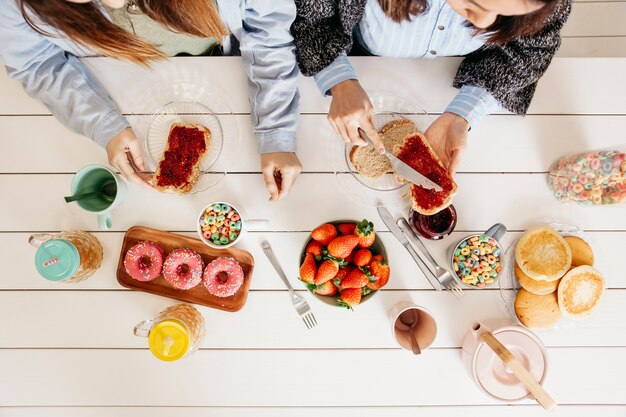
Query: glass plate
x=188 y=102
x=386 y=189
x=508 y=282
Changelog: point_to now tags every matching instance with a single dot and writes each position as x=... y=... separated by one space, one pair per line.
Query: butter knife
x=404 y=170
x=395 y=230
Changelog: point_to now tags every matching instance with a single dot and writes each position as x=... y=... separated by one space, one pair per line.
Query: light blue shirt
x=49 y=70
x=438 y=32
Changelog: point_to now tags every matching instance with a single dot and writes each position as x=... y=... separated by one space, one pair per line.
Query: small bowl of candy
x=220 y=225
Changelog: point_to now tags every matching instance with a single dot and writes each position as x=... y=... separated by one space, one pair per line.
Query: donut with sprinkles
x=223 y=277
x=183 y=268
x=144 y=261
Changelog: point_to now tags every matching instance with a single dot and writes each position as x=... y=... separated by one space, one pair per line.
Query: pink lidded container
x=591 y=178
x=487 y=369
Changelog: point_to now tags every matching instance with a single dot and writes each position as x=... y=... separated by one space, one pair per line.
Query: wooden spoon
x=519 y=371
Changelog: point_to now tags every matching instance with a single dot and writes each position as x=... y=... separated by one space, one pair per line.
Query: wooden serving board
x=198 y=294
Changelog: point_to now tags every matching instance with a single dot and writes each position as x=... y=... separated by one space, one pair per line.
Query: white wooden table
x=68 y=350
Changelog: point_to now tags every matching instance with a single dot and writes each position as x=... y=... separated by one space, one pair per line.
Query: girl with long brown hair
x=508 y=45
x=40 y=41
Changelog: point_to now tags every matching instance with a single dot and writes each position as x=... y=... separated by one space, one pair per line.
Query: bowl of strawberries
x=344 y=262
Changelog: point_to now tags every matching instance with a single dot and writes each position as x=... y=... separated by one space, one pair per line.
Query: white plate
x=508 y=282
x=188 y=102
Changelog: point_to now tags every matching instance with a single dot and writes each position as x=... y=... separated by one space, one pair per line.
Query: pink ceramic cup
x=425 y=330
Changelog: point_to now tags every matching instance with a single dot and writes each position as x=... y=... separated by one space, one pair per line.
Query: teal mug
x=94 y=178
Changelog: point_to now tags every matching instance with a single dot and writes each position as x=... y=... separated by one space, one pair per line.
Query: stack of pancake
x=557 y=278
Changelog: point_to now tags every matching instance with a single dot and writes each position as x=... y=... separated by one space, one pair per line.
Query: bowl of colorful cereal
x=478 y=260
x=220 y=225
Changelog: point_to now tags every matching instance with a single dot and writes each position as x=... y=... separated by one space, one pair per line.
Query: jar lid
x=496 y=378
x=57 y=260
x=169 y=340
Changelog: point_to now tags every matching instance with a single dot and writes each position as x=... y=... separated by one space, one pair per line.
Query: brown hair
x=504 y=29
x=85 y=24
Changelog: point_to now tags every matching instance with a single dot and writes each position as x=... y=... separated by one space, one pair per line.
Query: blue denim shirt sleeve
x=57 y=78
x=339 y=70
x=268 y=52
x=473 y=104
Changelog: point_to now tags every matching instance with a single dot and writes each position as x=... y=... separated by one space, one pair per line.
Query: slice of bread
x=427 y=162
x=537 y=311
x=163 y=180
x=368 y=162
x=581 y=251
x=543 y=254
x=534 y=286
x=580 y=291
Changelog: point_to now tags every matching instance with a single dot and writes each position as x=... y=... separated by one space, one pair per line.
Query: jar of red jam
x=434 y=227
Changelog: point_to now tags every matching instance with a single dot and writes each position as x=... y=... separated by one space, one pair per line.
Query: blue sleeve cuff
x=339 y=70
x=473 y=103
x=276 y=141
x=109 y=126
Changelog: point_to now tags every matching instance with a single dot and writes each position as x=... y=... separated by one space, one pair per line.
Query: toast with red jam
x=179 y=167
x=417 y=153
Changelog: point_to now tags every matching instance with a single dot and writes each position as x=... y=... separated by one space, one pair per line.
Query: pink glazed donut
x=144 y=261
x=183 y=269
x=223 y=277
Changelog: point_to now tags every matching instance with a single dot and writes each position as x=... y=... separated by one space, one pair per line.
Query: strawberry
x=348 y=259
x=356 y=279
x=341 y=275
x=308 y=269
x=326 y=288
x=349 y=298
x=362 y=257
x=380 y=270
x=346 y=228
x=343 y=272
x=341 y=247
x=327 y=271
x=365 y=231
x=324 y=233
x=315 y=248
x=378 y=257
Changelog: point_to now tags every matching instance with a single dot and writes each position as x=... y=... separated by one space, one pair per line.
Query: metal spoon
x=410 y=322
x=107 y=191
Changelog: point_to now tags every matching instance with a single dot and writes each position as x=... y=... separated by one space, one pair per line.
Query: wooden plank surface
x=570 y=86
x=528 y=201
x=500 y=143
x=232 y=377
x=519 y=410
x=67 y=357
x=105 y=319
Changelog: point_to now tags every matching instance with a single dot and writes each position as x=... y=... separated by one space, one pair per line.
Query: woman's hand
x=123 y=145
x=447 y=135
x=350 y=110
x=280 y=170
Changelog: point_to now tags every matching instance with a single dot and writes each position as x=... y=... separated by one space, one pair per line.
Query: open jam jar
x=434 y=227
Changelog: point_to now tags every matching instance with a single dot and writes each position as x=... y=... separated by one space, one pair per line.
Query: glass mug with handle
x=109 y=189
x=175 y=333
x=67 y=257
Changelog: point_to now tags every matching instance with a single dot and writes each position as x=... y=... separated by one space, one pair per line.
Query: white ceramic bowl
x=376 y=248
x=208 y=242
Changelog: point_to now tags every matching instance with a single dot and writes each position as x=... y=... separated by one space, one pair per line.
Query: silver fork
x=443 y=275
x=300 y=304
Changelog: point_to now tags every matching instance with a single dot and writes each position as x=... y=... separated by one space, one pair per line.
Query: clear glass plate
x=188 y=102
x=386 y=189
x=508 y=282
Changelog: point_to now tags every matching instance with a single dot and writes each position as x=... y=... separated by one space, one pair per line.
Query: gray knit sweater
x=323 y=29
